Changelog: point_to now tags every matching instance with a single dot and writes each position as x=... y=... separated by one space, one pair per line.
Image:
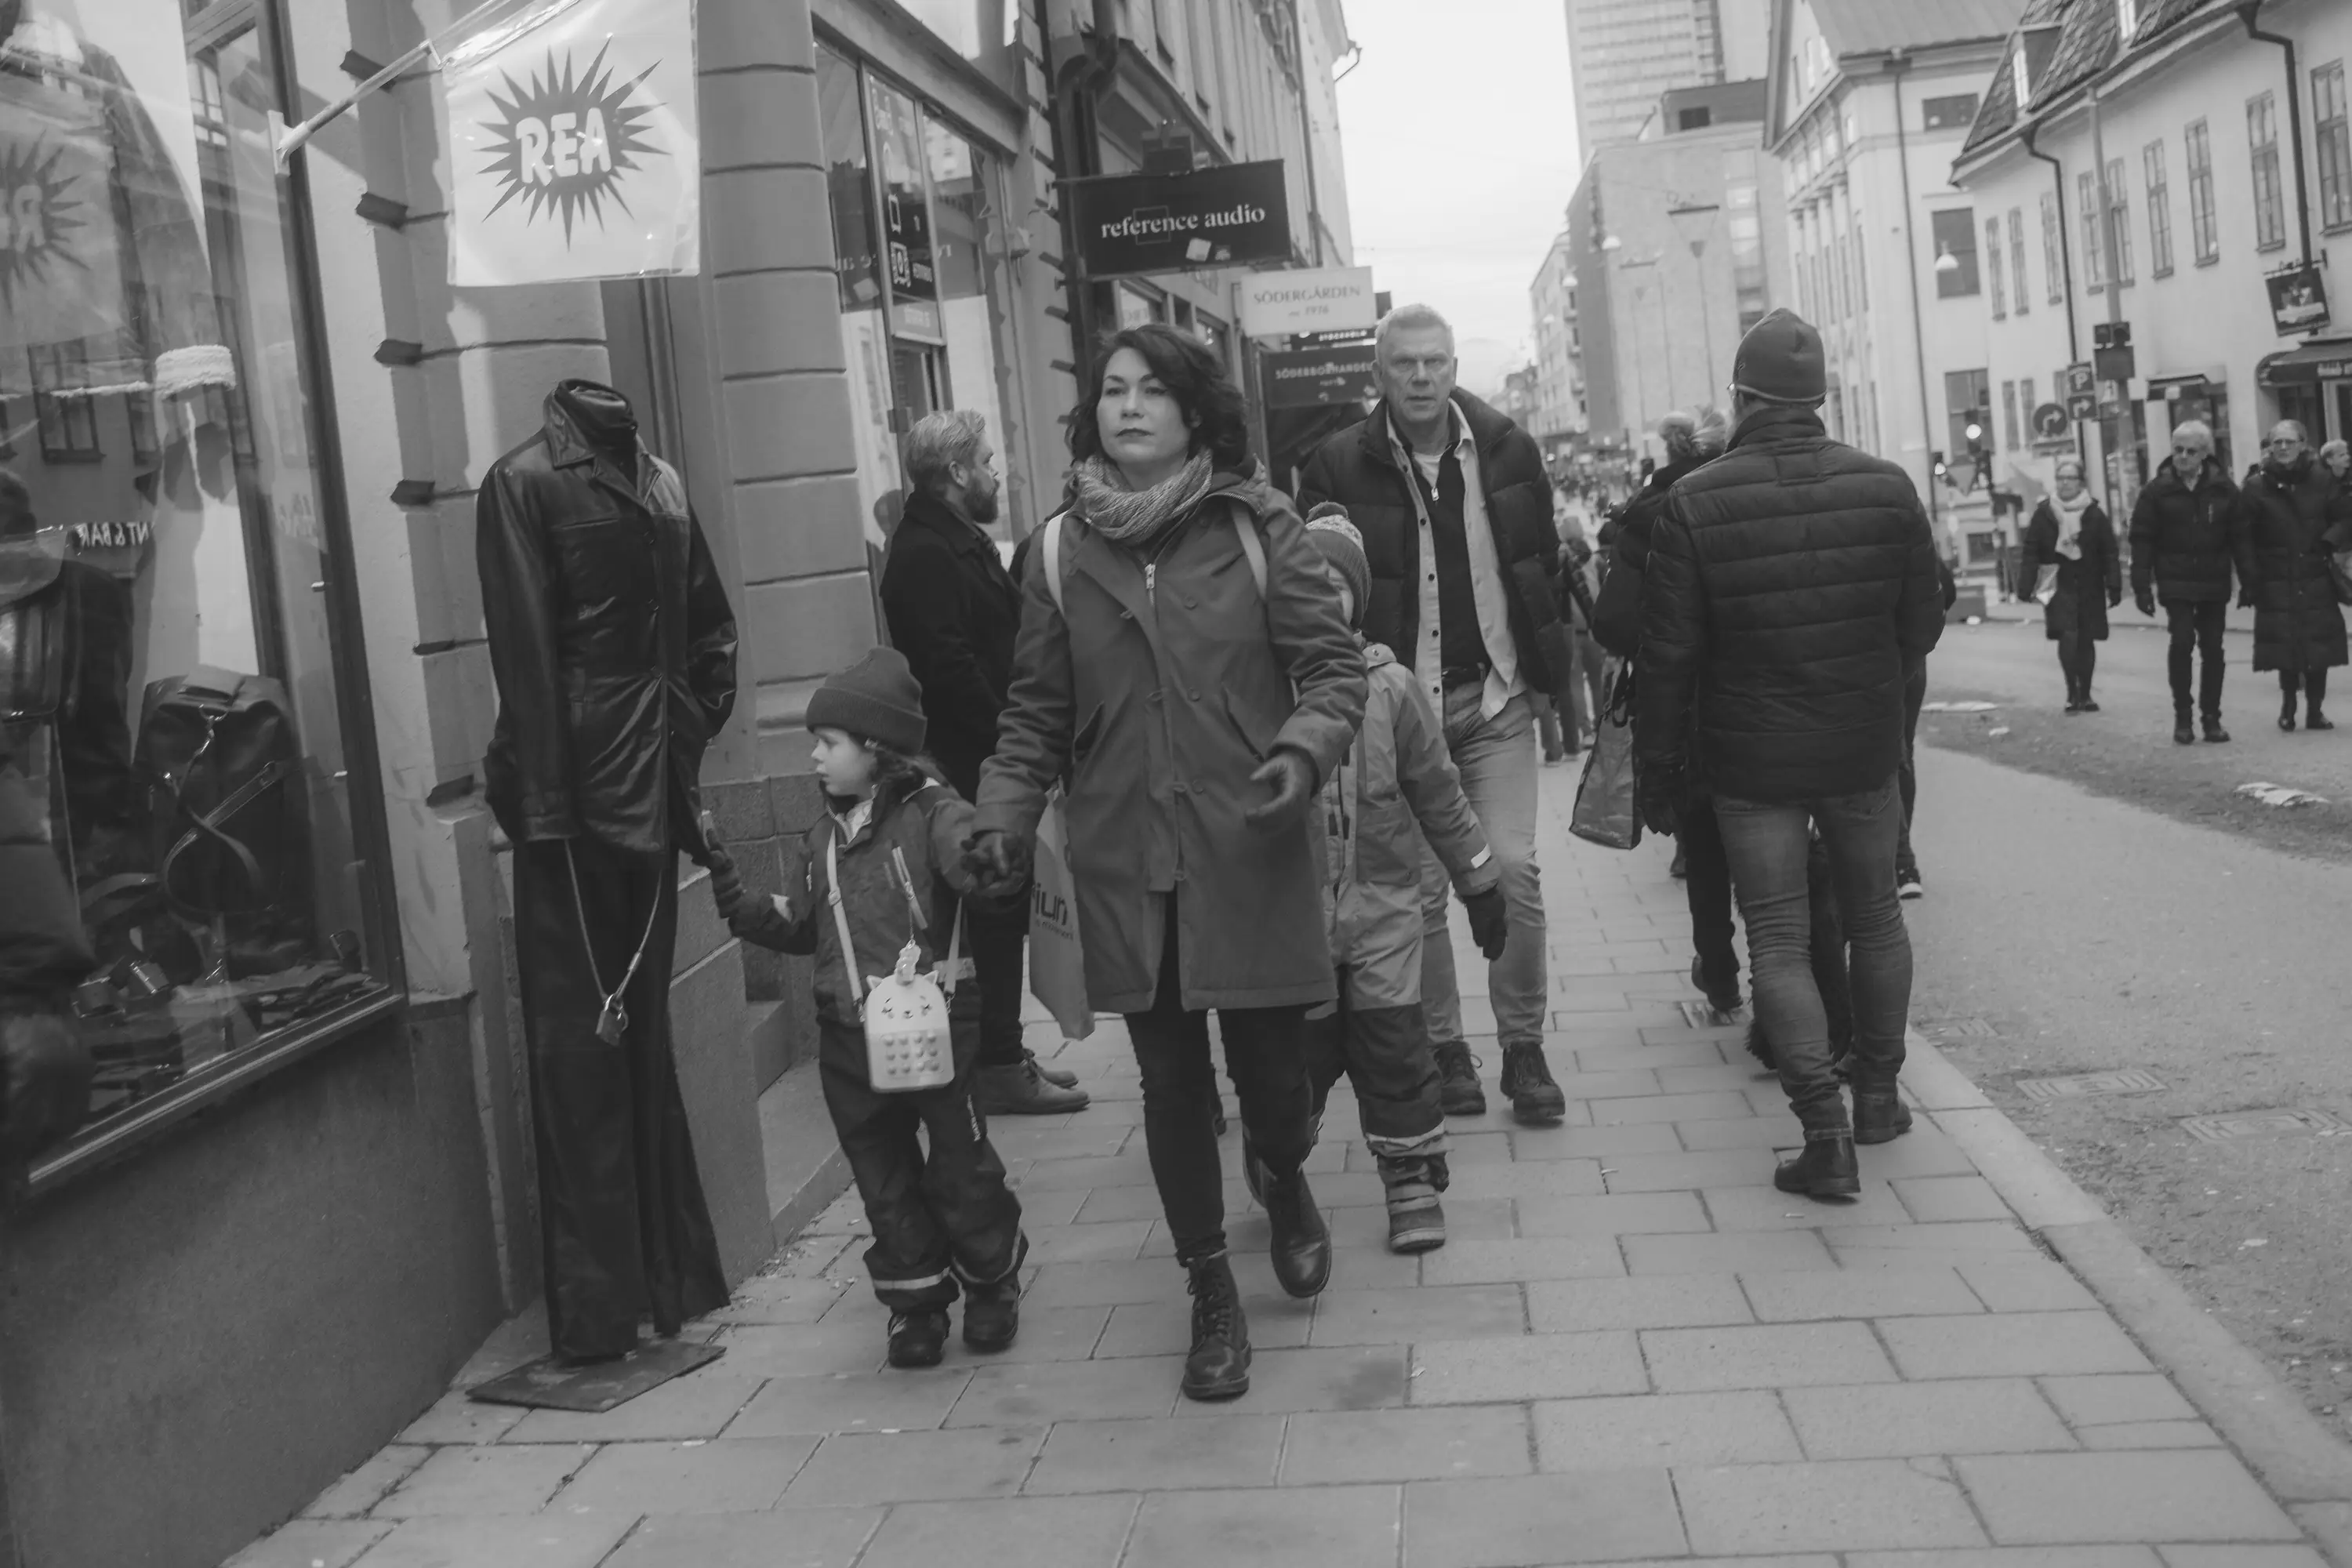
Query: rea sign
x=1320 y=299
x=1226 y=216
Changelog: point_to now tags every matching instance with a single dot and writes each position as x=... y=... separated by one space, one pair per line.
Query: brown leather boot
x=1827 y=1169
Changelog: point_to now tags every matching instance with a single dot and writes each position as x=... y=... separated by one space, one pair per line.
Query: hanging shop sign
x=572 y=146
x=905 y=216
x=1319 y=299
x=1318 y=378
x=1225 y=216
x=2298 y=300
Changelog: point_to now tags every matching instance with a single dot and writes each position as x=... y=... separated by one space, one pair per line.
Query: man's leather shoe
x=1302 y=1242
x=2182 y=734
x=1827 y=1169
x=1527 y=1084
x=1217 y=1367
x=1060 y=1077
x=1020 y=1088
x=1879 y=1118
x=2214 y=732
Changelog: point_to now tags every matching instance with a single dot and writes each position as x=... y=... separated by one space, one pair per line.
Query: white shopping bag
x=1057 y=965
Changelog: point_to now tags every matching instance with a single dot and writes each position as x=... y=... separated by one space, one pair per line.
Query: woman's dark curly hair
x=1194 y=376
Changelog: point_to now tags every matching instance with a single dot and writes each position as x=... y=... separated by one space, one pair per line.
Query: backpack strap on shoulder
x=1245 y=525
x=1051 y=545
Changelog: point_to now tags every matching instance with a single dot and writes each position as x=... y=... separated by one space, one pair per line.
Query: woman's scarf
x=1137 y=518
x=2070 y=522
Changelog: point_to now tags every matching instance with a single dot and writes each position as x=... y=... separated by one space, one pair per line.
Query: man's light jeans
x=1766 y=847
x=1496 y=758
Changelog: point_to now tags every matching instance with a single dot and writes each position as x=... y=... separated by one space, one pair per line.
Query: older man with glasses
x=2181 y=557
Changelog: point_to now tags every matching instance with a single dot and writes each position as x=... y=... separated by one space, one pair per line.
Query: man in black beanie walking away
x=1791 y=590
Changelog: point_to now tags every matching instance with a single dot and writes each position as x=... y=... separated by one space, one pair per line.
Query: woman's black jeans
x=1265 y=1055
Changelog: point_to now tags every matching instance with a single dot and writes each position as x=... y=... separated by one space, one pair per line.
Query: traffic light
x=1979 y=421
x=1937 y=465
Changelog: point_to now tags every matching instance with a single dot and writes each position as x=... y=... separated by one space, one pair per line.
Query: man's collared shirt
x=1486 y=585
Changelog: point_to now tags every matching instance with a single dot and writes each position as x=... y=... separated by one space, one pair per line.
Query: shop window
x=2017 y=259
x=2198 y=150
x=1955 y=231
x=2270 y=200
x=1954 y=112
x=2159 y=211
x=171 y=700
x=2333 y=135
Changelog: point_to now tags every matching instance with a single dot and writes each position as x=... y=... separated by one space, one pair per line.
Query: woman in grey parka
x=1183 y=661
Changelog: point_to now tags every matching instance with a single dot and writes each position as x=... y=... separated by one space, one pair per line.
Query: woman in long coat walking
x=2072 y=544
x=2292 y=512
x=1183 y=660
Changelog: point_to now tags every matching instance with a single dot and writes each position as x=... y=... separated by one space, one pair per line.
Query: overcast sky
x=1459 y=136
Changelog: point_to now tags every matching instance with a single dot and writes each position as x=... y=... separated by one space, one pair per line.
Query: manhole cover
x=1970 y=1028
x=1699 y=1015
x=2126 y=1081
x=2240 y=1124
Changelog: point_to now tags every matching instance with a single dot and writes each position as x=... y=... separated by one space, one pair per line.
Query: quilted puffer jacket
x=1791 y=586
x=1396 y=786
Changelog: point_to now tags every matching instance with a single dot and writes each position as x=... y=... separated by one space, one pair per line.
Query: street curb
x=2303 y=1464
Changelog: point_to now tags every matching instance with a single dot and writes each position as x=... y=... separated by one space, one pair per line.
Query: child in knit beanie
x=944 y=1224
x=1396 y=787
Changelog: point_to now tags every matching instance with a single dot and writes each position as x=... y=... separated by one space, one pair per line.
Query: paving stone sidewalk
x=1632 y=1351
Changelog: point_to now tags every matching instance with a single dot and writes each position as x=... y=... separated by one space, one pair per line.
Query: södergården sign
x=1225 y=217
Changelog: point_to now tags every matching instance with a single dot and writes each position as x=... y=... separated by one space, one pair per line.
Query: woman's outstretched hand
x=1292 y=777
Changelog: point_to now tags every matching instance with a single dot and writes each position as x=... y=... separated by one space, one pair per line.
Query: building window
x=1955 y=230
x=2053 y=260
x=2017 y=258
x=1955 y=111
x=2021 y=76
x=1992 y=268
x=2119 y=213
x=2199 y=151
x=2334 y=140
x=1698 y=119
x=2126 y=19
x=2095 y=253
x=2009 y=414
x=66 y=414
x=231 y=892
x=2025 y=403
x=2270 y=202
x=2159 y=211
x=1861 y=276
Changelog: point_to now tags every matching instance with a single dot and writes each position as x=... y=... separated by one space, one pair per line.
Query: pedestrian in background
x=2292 y=514
x=2338 y=456
x=1690 y=439
x=1455 y=512
x=1396 y=788
x=1907 y=882
x=1196 y=703
x=1791 y=588
x=953 y=611
x=2180 y=559
x=2068 y=562
x=882 y=870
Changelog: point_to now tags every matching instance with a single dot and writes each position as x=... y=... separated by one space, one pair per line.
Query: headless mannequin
x=605 y=421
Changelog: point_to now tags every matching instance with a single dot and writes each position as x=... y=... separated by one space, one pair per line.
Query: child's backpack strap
x=1253 y=546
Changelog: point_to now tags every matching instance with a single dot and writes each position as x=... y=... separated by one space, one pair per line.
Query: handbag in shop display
x=219 y=752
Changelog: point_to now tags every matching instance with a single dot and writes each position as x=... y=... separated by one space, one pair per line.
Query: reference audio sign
x=1126 y=224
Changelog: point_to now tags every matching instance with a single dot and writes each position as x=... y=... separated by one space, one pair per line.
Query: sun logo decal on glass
x=564 y=141
x=38 y=218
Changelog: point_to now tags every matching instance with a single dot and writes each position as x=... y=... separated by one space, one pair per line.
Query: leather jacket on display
x=610 y=636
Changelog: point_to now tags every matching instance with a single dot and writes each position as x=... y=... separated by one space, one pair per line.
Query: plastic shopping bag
x=1606 y=811
x=1057 y=965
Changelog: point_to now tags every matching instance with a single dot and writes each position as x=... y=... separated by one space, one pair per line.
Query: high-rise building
x=1622 y=54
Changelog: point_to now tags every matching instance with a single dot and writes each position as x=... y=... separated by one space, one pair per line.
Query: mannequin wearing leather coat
x=614 y=647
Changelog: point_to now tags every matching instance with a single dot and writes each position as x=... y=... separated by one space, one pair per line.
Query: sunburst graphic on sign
x=38 y=218
x=564 y=140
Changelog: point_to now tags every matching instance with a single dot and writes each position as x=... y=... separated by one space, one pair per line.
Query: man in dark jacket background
x=1457 y=513
x=1791 y=589
x=2180 y=559
x=953 y=612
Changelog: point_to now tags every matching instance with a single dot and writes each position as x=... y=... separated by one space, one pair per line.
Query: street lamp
x=1694 y=221
x=1946 y=262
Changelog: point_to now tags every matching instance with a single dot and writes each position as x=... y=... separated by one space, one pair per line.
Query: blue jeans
x=1766 y=846
x=1496 y=758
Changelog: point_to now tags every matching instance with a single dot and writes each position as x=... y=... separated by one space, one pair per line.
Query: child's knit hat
x=877 y=699
x=1328 y=530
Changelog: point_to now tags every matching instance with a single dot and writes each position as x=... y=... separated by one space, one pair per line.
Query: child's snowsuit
x=1396 y=784
x=949 y=1217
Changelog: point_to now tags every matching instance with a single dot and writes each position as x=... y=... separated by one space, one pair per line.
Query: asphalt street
x=2064 y=934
